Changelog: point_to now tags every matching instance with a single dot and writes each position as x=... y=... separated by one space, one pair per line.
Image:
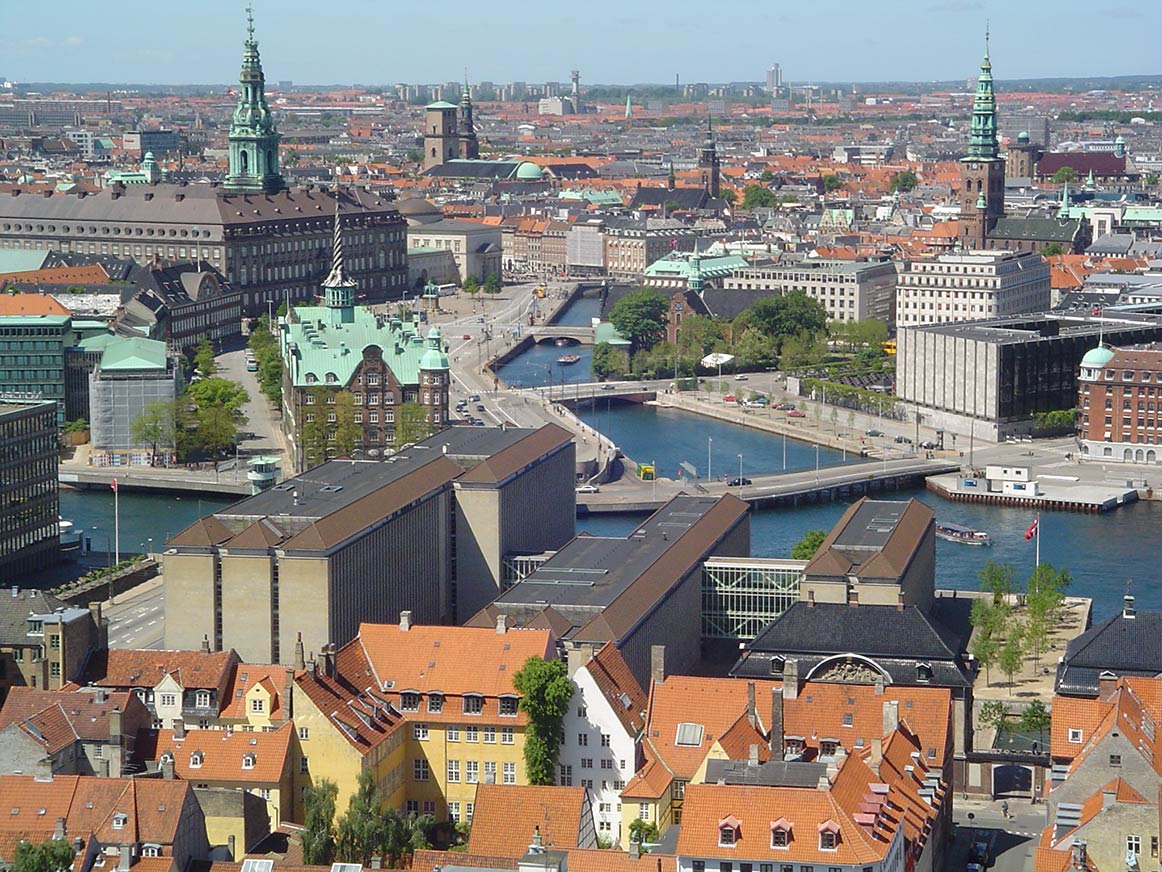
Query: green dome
x=1023 y=137
x=529 y=172
x=1098 y=357
x=434 y=357
x=1120 y=139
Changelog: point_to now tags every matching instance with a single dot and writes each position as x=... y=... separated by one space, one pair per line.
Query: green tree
x=1035 y=718
x=729 y=196
x=788 y=315
x=999 y=579
x=801 y=351
x=54 y=855
x=758 y=197
x=318 y=833
x=411 y=425
x=1044 y=594
x=904 y=181
x=1012 y=653
x=832 y=182
x=643 y=831
x=1065 y=175
x=204 y=358
x=608 y=360
x=470 y=285
x=640 y=316
x=986 y=650
x=216 y=430
x=806 y=547
x=755 y=348
x=348 y=434
x=218 y=392
x=156 y=427
x=992 y=714
x=545 y=693
x=493 y=284
x=989 y=617
x=698 y=335
x=363 y=829
x=767 y=176
x=313 y=429
x=1053 y=249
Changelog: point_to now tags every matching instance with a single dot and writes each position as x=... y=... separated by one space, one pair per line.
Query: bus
x=888 y=347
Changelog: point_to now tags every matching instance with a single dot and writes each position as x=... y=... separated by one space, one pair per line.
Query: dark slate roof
x=679 y=198
x=15 y=609
x=729 y=303
x=1100 y=163
x=475 y=169
x=1035 y=229
x=772 y=773
x=1121 y=645
x=571 y=171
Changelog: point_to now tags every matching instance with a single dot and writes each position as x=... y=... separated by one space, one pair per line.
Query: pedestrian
x=1005 y=809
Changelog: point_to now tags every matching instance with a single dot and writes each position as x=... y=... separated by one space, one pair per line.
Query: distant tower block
x=575 y=77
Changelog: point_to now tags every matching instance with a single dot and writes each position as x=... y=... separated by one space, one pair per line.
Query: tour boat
x=964 y=535
x=568 y=359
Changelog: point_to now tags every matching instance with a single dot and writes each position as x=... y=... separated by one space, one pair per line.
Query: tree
x=216 y=429
x=313 y=431
x=54 y=855
x=643 y=831
x=545 y=693
x=998 y=579
x=363 y=829
x=470 y=285
x=758 y=197
x=1043 y=597
x=493 y=284
x=640 y=316
x=985 y=649
x=1012 y=653
x=348 y=434
x=156 y=427
x=1035 y=718
x=832 y=182
x=698 y=335
x=729 y=196
x=767 y=176
x=806 y=547
x=204 y=358
x=989 y=617
x=1053 y=249
x=993 y=714
x=788 y=315
x=608 y=360
x=803 y=350
x=318 y=833
x=411 y=425
x=1065 y=175
x=904 y=181
x=755 y=348
x=218 y=392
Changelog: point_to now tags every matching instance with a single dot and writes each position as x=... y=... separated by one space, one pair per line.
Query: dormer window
x=777 y=665
x=828 y=836
x=781 y=833
x=508 y=706
x=203 y=699
x=923 y=672
x=435 y=702
x=120 y=820
x=196 y=760
x=248 y=761
x=409 y=702
x=473 y=704
x=258 y=705
x=729 y=830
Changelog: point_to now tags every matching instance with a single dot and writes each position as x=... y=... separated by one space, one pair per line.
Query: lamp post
x=709 y=443
x=740 y=485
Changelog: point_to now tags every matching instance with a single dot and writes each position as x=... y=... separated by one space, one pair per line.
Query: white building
x=849 y=290
x=971 y=285
x=603 y=732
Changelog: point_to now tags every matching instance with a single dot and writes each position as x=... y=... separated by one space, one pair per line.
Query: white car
x=588 y=489
x=740 y=377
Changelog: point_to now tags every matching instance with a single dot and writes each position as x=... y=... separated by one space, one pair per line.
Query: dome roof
x=1120 y=139
x=1099 y=356
x=529 y=172
x=434 y=357
x=1023 y=136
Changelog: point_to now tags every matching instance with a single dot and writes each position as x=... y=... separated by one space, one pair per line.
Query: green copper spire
x=983 y=144
x=1063 y=211
x=338 y=287
x=254 y=163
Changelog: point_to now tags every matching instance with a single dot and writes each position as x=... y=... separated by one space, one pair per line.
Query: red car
x=729 y=398
x=795 y=413
x=466 y=336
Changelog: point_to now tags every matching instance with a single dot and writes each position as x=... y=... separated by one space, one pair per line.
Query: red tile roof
x=613 y=678
x=145 y=668
x=222 y=755
x=506 y=815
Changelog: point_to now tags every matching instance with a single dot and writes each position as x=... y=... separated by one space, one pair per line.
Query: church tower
x=253 y=136
x=338 y=287
x=441 y=142
x=708 y=162
x=469 y=147
x=982 y=170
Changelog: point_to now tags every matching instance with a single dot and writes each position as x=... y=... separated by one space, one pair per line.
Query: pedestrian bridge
x=566 y=334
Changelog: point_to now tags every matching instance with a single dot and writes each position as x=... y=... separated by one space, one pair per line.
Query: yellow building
x=439 y=715
x=257 y=697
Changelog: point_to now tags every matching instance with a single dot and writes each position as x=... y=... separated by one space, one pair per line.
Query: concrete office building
x=848 y=290
x=133 y=372
x=475 y=247
x=971 y=286
x=29 y=504
x=363 y=541
x=34 y=332
x=987 y=379
x=638 y=592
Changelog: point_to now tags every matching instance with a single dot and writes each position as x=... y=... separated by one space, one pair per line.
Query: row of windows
x=105 y=230
x=472 y=703
x=471 y=734
x=472 y=772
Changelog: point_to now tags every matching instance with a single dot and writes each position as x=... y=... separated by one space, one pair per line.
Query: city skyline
x=898 y=41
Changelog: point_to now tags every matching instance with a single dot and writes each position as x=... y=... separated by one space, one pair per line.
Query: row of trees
x=1004 y=636
x=491 y=285
x=264 y=344
x=204 y=422
x=323 y=439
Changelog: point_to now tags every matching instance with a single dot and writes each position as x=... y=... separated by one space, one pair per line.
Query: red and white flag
x=113 y=484
x=1032 y=531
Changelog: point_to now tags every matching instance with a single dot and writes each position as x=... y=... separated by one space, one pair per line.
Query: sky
x=610 y=41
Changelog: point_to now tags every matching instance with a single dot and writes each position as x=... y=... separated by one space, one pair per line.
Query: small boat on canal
x=964 y=535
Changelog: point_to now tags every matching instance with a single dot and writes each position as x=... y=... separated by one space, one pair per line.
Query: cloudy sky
x=610 y=41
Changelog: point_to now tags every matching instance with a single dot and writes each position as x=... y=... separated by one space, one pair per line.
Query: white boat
x=964 y=535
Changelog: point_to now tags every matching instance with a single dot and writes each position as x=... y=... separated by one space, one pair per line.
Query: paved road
x=262 y=422
x=138 y=621
x=1013 y=839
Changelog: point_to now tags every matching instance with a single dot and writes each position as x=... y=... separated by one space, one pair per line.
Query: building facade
x=848 y=290
x=29 y=501
x=43 y=642
x=971 y=286
x=1120 y=402
x=475 y=247
x=133 y=372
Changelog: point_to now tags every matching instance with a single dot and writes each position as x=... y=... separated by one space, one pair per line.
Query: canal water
x=147 y=520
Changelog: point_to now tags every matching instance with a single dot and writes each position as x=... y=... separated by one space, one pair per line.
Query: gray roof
x=16 y=604
x=1035 y=229
x=1126 y=644
x=773 y=773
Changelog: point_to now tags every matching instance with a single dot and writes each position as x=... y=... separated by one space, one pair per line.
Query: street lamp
x=740 y=485
x=709 y=443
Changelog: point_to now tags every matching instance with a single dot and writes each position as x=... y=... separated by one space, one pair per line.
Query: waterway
x=147 y=520
x=538 y=367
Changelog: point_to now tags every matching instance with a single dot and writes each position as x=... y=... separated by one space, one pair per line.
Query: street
x=137 y=619
x=1013 y=840
x=266 y=435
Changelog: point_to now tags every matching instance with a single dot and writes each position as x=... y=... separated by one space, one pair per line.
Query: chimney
x=1108 y=798
x=1128 y=607
x=377 y=862
x=791 y=680
x=123 y=858
x=753 y=756
x=78 y=845
x=876 y=757
x=59 y=832
x=167 y=772
x=405 y=620
x=751 y=714
x=230 y=846
x=1107 y=685
x=115 y=725
x=891 y=717
x=501 y=624
x=1078 y=853
x=879 y=691
x=775 y=737
x=900 y=601
x=179 y=728
x=658 y=663
x=15 y=591
x=205 y=644
x=853 y=597
x=99 y=695
x=811 y=598
x=577 y=656
x=300 y=662
x=44 y=769
x=635 y=850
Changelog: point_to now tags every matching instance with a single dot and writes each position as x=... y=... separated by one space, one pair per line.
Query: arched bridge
x=571 y=335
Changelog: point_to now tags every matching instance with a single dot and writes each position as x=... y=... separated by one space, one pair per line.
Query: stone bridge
x=554 y=332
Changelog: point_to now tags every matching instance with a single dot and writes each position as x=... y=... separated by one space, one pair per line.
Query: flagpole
x=116 y=523
x=1037 y=558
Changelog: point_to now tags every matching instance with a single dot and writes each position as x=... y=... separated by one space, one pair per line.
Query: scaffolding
x=517 y=567
x=740 y=597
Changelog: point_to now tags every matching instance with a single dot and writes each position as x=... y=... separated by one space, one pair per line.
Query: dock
x=1056 y=497
x=143 y=479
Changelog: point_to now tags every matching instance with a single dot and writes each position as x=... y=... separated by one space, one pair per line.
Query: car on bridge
x=795 y=413
x=588 y=489
x=738 y=482
x=608 y=386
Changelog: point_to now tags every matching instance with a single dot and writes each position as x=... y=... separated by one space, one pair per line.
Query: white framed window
x=1075 y=737
x=453 y=771
x=506 y=735
x=471 y=772
x=508 y=773
x=167 y=699
x=489 y=735
x=420 y=732
x=453 y=733
x=202 y=699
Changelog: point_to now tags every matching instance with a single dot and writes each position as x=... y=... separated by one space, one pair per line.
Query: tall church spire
x=254 y=139
x=983 y=144
x=338 y=287
x=708 y=162
x=469 y=147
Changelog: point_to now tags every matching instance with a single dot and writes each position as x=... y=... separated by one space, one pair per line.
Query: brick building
x=1119 y=394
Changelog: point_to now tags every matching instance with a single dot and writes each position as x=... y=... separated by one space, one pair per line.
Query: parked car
x=903 y=440
x=740 y=377
x=738 y=482
x=874 y=433
x=588 y=489
x=252 y=366
x=928 y=445
x=729 y=398
x=759 y=401
x=795 y=413
x=787 y=406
